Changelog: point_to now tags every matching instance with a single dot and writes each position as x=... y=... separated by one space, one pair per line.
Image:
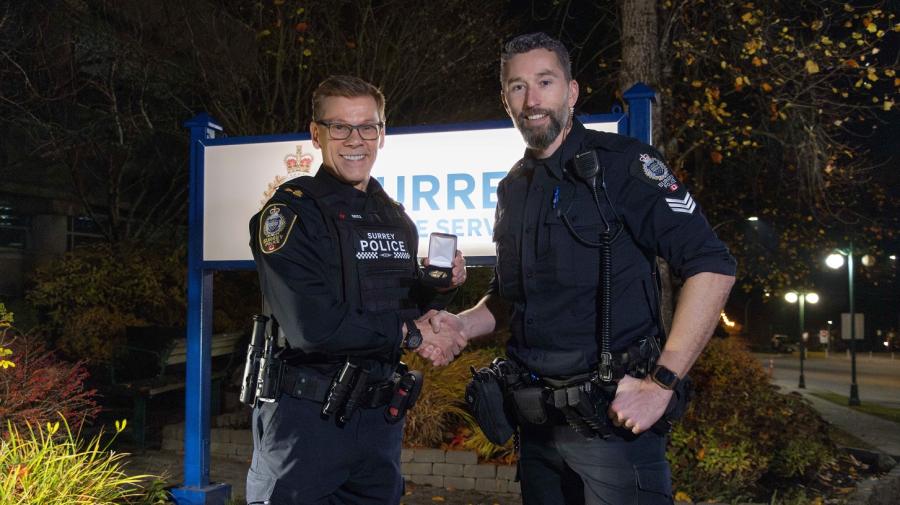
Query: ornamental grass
x=49 y=466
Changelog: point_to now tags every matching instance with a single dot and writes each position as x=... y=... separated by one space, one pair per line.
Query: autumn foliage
x=741 y=436
x=36 y=387
x=772 y=105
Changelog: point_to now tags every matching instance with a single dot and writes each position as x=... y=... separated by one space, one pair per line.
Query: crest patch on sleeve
x=654 y=172
x=275 y=225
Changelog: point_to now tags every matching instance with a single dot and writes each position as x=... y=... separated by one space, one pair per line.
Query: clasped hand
x=442 y=337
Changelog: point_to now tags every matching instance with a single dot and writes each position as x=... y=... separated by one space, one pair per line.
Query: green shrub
x=90 y=296
x=739 y=431
x=46 y=467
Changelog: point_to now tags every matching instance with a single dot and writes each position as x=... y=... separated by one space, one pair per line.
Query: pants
x=299 y=458
x=557 y=466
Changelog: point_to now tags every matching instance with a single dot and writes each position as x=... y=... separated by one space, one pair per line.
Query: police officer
x=554 y=214
x=336 y=259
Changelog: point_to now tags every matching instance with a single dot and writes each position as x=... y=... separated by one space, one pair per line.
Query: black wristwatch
x=664 y=378
x=413 y=336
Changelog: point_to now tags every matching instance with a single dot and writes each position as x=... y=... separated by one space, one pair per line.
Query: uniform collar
x=556 y=162
x=355 y=198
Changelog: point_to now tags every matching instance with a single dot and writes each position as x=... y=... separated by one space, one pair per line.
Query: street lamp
x=802 y=297
x=835 y=261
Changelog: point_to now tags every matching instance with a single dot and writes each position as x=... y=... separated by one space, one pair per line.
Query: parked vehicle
x=780 y=343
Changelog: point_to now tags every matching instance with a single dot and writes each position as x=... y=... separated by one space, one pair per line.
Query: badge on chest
x=381 y=244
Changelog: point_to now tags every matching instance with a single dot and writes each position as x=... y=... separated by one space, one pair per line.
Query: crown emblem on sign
x=299 y=162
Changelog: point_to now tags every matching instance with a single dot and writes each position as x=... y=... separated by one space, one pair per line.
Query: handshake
x=443 y=336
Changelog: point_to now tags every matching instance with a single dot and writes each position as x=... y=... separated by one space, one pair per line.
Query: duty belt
x=303 y=384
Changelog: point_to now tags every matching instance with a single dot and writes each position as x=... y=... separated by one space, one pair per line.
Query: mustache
x=525 y=113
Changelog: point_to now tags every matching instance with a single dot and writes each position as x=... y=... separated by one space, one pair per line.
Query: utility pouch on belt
x=485 y=397
x=531 y=404
x=406 y=392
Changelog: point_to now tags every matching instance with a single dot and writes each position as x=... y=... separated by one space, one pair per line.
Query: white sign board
x=823 y=336
x=446 y=180
x=860 y=320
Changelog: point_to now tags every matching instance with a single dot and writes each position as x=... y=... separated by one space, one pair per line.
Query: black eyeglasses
x=341 y=131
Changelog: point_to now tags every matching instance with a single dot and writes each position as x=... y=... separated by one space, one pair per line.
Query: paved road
x=878 y=377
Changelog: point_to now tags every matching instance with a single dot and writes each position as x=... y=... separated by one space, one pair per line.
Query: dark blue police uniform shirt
x=302 y=281
x=551 y=279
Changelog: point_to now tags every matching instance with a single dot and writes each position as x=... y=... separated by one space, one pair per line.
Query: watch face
x=413 y=340
x=665 y=377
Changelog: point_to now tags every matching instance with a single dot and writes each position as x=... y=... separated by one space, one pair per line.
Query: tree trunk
x=641 y=63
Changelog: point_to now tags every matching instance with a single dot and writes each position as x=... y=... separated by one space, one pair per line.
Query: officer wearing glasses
x=336 y=258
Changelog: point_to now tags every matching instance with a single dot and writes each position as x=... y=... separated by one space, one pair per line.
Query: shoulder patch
x=276 y=222
x=654 y=172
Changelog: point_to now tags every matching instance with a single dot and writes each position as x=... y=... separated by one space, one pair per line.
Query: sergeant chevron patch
x=686 y=204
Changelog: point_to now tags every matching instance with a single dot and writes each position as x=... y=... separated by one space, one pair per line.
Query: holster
x=486 y=397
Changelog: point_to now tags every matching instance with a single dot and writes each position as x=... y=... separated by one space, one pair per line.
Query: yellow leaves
x=52 y=428
x=752 y=45
x=826 y=41
x=816 y=25
x=741 y=81
x=851 y=63
x=307 y=52
x=889 y=72
x=887 y=105
x=438 y=499
x=812 y=67
x=756 y=61
x=696 y=84
x=870 y=25
x=4 y=363
x=263 y=34
x=856 y=35
x=871 y=74
x=848 y=8
x=747 y=17
x=767 y=87
x=120 y=425
x=897 y=82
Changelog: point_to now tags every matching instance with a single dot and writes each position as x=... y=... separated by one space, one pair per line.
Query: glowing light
x=812 y=297
x=728 y=322
x=752 y=218
x=835 y=261
x=791 y=296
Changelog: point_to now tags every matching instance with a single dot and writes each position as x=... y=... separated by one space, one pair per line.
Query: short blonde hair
x=346 y=86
